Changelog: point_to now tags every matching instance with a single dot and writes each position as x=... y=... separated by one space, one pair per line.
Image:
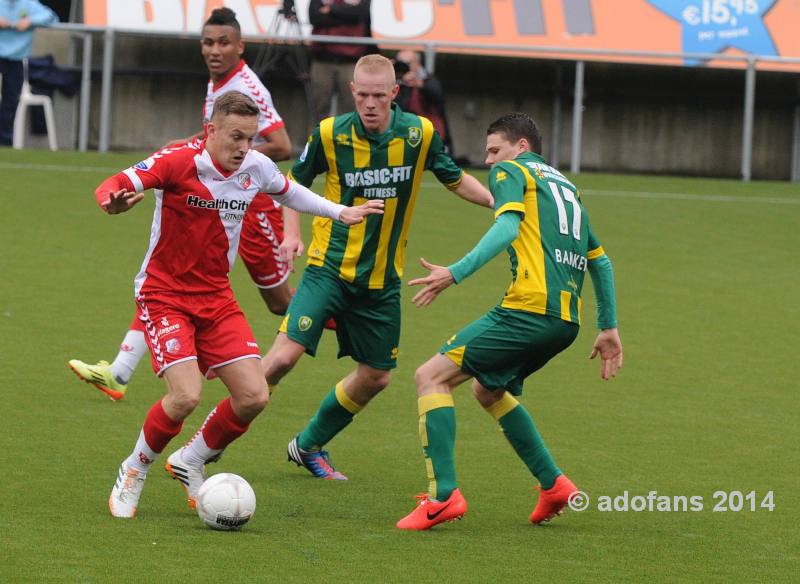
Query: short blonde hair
x=236 y=103
x=374 y=64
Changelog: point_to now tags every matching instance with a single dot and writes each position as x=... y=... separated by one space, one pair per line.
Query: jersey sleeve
x=441 y=164
x=152 y=172
x=269 y=119
x=311 y=162
x=271 y=180
x=507 y=185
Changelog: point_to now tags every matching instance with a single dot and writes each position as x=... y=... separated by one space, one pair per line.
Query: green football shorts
x=505 y=346
x=367 y=321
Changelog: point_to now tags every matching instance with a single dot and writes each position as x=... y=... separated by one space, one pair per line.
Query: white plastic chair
x=27 y=99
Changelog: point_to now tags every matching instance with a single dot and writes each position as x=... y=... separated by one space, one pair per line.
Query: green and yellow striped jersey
x=361 y=166
x=550 y=256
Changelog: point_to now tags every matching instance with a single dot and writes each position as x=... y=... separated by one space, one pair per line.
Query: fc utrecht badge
x=173 y=345
x=414 y=136
x=244 y=180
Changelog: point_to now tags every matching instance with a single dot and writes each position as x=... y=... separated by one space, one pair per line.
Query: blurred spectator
x=18 y=18
x=421 y=93
x=332 y=68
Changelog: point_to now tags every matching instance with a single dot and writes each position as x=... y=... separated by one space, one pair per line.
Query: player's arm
x=470 y=189
x=504 y=230
x=119 y=193
x=302 y=199
x=608 y=344
x=509 y=186
x=277 y=145
x=451 y=176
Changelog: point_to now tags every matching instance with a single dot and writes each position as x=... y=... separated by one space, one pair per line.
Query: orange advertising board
x=764 y=28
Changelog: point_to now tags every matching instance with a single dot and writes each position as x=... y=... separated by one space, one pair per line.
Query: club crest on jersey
x=244 y=180
x=414 y=136
x=304 y=323
x=145 y=164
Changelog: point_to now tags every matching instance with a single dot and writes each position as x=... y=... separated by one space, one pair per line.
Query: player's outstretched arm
x=304 y=200
x=121 y=201
x=609 y=346
x=470 y=189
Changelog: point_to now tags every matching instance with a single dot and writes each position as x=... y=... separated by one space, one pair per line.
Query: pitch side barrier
x=748 y=63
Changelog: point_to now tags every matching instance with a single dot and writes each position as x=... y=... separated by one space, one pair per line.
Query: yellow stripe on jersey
x=580 y=303
x=321 y=227
x=566 y=300
x=355 y=243
x=419 y=167
x=361 y=151
x=510 y=207
x=378 y=275
x=529 y=290
x=397 y=151
x=595 y=253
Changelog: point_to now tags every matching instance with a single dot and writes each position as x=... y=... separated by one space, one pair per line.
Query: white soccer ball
x=226 y=502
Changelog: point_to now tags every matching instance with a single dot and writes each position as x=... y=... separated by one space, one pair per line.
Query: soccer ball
x=226 y=502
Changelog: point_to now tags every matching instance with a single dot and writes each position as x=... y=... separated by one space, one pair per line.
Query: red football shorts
x=210 y=328
x=262 y=234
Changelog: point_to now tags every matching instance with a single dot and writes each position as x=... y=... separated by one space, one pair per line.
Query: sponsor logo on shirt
x=377 y=176
x=500 y=176
x=218 y=204
x=145 y=164
x=343 y=139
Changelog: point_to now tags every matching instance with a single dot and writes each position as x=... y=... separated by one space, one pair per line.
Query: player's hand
x=354 y=215
x=3 y=23
x=121 y=201
x=609 y=347
x=290 y=248
x=435 y=283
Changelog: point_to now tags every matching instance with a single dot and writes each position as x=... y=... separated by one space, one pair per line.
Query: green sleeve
x=507 y=185
x=441 y=164
x=504 y=230
x=602 y=273
x=311 y=162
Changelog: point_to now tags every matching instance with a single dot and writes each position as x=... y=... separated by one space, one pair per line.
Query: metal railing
x=430 y=49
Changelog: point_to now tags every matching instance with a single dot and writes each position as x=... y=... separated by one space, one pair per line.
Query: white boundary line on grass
x=593 y=192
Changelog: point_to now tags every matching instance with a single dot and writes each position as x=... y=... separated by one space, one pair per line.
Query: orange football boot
x=429 y=513
x=553 y=500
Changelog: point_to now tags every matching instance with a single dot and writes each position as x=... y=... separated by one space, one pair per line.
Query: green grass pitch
x=707 y=277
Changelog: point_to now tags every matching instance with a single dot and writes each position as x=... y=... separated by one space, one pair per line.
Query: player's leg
x=162 y=423
x=435 y=381
x=368 y=329
x=337 y=409
x=524 y=437
x=225 y=343
x=112 y=379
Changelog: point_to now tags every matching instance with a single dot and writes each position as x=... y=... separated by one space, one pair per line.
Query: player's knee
x=277 y=306
x=253 y=399
x=485 y=397
x=185 y=402
x=379 y=380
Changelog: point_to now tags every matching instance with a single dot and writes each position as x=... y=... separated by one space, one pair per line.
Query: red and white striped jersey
x=243 y=79
x=198 y=215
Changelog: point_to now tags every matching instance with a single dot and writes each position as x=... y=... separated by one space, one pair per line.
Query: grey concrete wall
x=643 y=119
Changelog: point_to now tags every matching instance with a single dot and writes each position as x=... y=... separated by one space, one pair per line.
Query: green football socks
x=521 y=432
x=335 y=412
x=437 y=432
